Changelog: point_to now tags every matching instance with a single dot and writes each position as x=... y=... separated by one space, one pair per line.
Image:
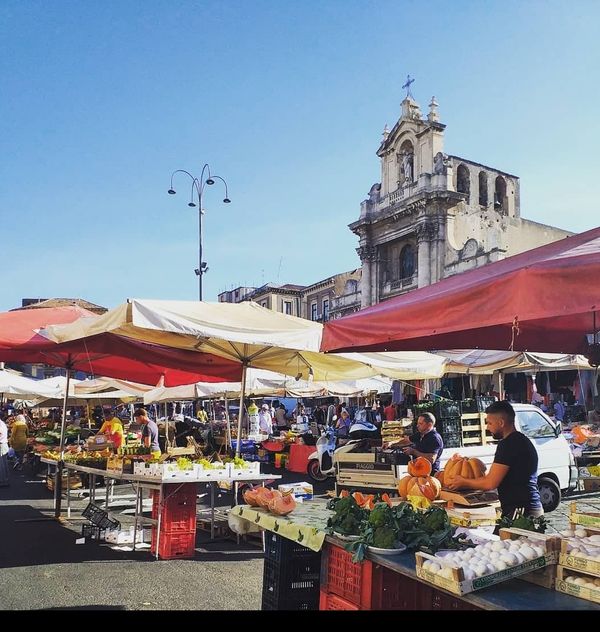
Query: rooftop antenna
x=279 y=270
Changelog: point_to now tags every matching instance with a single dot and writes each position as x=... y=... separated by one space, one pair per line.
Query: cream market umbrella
x=245 y=332
x=21 y=387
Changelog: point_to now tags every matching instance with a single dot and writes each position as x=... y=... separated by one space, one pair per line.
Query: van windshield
x=534 y=425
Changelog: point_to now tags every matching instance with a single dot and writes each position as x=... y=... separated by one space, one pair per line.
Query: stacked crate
x=447 y=414
x=291 y=575
x=177 y=522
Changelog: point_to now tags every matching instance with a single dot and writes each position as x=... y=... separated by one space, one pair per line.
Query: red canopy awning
x=106 y=355
x=540 y=300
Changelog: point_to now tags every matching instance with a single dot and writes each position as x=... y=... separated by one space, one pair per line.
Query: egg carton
x=580 y=550
x=578 y=584
x=487 y=564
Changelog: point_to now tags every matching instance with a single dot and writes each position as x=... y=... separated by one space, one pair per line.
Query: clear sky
x=101 y=100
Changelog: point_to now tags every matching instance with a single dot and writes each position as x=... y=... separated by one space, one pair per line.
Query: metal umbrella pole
x=241 y=412
x=61 y=462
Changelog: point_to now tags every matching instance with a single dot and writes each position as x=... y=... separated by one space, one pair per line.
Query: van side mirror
x=558 y=428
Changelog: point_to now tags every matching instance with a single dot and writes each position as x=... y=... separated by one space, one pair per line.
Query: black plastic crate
x=469 y=406
x=391 y=457
x=99 y=517
x=483 y=401
x=282 y=550
x=293 y=585
x=446 y=408
x=452 y=441
x=92 y=532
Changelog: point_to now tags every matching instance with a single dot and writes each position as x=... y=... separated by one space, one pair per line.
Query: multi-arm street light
x=198 y=185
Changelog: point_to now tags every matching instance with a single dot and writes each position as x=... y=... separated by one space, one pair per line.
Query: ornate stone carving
x=367 y=253
x=440 y=164
x=427 y=231
x=375 y=193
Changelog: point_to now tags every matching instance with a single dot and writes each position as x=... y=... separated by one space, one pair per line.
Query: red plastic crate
x=178 y=514
x=329 y=601
x=346 y=579
x=173 y=546
x=394 y=591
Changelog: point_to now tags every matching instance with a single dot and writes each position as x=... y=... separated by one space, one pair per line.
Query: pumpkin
x=419 y=467
x=462 y=466
x=282 y=505
x=344 y=493
x=426 y=486
x=264 y=495
x=440 y=476
x=250 y=496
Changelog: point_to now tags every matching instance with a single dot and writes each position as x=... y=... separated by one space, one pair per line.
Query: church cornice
x=438 y=127
x=478 y=164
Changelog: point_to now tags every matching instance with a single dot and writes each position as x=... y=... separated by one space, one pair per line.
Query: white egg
x=468 y=553
x=567 y=533
x=597 y=581
x=514 y=546
x=490 y=568
x=469 y=573
x=494 y=555
x=595 y=538
x=539 y=551
x=480 y=570
x=571 y=579
x=497 y=546
x=580 y=581
x=520 y=557
x=580 y=533
x=434 y=568
x=590 y=585
x=509 y=559
x=500 y=565
x=528 y=552
x=575 y=551
x=426 y=565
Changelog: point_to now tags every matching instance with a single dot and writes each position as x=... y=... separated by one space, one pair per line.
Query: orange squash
x=282 y=505
x=344 y=493
x=419 y=467
x=385 y=498
x=264 y=495
x=250 y=496
x=426 y=486
x=440 y=477
x=462 y=466
x=359 y=498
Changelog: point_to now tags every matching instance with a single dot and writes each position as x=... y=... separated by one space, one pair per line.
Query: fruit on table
x=282 y=505
x=419 y=467
x=427 y=486
x=264 y=495
x=462 y=466
x=250 y=496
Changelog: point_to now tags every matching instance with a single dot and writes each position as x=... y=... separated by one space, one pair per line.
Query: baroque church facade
x=433 y=215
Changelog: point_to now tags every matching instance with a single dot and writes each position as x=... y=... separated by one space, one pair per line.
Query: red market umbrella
x=542 y=300
x=106 y=355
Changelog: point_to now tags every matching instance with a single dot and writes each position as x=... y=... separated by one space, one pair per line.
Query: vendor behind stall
x=112 y=428
x=427 y=442
x=149 y=432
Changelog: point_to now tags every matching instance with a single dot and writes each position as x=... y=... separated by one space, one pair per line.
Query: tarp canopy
x=542 y=300
x=19 y=386
x=105 y=355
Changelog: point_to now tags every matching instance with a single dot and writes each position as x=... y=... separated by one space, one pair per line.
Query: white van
x=557 y=472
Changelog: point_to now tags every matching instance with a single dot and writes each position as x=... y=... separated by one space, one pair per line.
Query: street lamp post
x=198 y=185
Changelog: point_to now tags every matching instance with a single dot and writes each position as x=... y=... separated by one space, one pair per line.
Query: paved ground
x=42 y=567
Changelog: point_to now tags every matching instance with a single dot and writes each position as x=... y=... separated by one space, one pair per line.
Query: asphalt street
x=41 y=566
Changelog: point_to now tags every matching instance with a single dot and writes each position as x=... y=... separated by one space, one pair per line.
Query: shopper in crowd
x=426 y=442
x=4 y=482
x=149 y=432
x=593 y=417
x=201 y=414
x=112 y=428
x=389 y=412
x=343 y=424
x=265 y=421
x=18 y=437
x=281 y=418
x=514 y=470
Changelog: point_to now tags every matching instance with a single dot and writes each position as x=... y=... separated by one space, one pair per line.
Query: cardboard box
x=301 y=490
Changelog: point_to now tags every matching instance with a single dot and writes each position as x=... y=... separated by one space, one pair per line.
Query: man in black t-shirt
x=427 y=442
x=514 y=470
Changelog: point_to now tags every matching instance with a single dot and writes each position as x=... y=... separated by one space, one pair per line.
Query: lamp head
x=226 y=201
x=171 y=192
x=209 y=181
x=191 y=204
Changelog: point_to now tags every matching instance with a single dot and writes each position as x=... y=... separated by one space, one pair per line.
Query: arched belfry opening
x=463 y=181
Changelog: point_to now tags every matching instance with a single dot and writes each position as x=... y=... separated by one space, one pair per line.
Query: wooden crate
x=586 y=519
x=572 y=589
x=578 y=562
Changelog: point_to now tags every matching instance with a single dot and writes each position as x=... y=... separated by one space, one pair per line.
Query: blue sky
x=101 y=101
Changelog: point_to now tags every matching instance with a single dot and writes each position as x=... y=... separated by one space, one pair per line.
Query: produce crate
x=578 y=562
x=291 y=584
x=458 y=585
x=446 y=408
x=281 y=550
x=575 y=590
x=92 y=532
x=484 y=401
x=587 y=519
x=330 y=601
x=173 y=546
x=340 y=575
x=99 y=517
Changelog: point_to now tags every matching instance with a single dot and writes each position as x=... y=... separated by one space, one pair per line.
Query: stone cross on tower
x=407 y=86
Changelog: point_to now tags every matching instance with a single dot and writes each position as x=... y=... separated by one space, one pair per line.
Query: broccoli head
x=380 y=515
x=384 y=538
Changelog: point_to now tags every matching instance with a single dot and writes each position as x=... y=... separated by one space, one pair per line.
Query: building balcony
x=345 y=301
